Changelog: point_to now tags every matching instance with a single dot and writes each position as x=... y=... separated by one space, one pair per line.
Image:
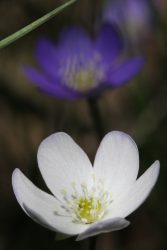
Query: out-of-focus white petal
x=63 y=164
x=132 y=197
x=104 y=227
x=117 y=161
x=42 y=207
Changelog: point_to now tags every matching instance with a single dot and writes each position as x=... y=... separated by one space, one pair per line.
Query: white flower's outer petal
x=42 y=207
x=104 y=227
x=62 y=162
x=133 y=197
x=117 y=161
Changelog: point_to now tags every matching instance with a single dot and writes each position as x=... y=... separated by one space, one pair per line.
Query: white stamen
x=87 y=207
x=81 y=74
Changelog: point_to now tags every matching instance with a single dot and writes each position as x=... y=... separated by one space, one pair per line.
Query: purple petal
x=47 y=56
x=74 y=41
x=109 y=43
x=52 y=88
x=125 y=71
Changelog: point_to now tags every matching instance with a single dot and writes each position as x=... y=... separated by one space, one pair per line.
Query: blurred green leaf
x=22 y=32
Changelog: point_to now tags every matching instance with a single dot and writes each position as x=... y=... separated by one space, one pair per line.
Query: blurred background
x=27 y=116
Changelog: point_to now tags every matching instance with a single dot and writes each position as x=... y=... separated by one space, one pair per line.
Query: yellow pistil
x=84 y=79
x=89 y=210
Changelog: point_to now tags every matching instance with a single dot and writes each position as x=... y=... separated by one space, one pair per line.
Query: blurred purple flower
x=134 y=17
x=79 y=66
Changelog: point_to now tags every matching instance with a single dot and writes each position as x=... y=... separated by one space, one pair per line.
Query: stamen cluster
x=88 y=207
x=77 y=74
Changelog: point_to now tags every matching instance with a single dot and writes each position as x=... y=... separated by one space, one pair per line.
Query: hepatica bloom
x=86 y=200
x=80 y=66
x=135 y=19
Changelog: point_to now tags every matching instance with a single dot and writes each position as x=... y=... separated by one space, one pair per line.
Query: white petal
x=117 y=161
x=62 y=162
x=104 y=227
x=42 y=207
x=130 y=199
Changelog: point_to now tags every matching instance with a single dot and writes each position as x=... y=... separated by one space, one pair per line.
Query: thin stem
x=22 y=32
x=95 y=113
x=92 y=243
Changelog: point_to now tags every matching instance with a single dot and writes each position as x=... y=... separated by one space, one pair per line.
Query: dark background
x=28 y=116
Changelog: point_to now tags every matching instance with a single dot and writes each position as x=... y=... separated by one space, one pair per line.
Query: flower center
x=81 y=74
x=87 y=205
x=84 y=79
x=89 y=210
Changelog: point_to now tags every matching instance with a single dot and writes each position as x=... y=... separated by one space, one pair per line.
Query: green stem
x=95 y=113
x=32 y=26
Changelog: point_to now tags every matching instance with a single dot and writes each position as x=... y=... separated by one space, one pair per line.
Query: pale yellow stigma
x=89 y=210
x=84 y=79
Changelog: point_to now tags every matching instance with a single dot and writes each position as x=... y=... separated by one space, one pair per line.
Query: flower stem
x=92 y=243
x=95 y=113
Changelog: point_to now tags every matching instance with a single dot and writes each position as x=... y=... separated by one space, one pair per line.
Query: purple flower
x=134 y=17
x=80 y=66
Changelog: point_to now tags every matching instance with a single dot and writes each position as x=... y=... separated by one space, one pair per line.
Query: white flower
x=86 y=200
